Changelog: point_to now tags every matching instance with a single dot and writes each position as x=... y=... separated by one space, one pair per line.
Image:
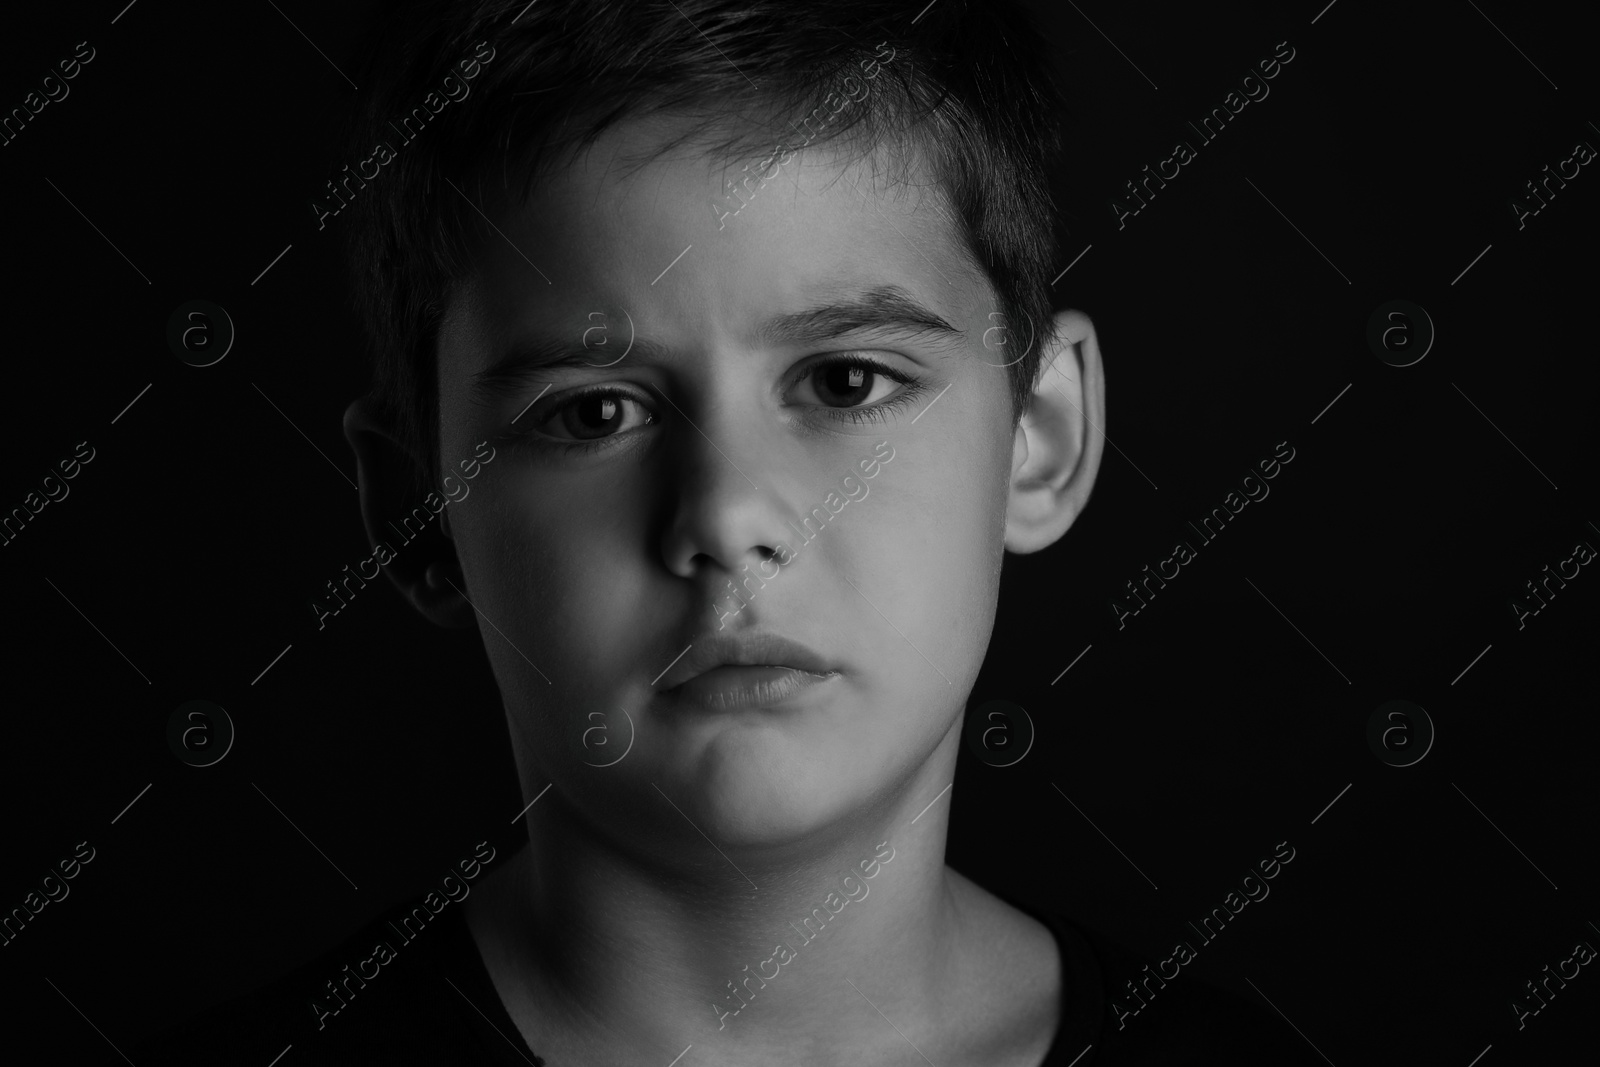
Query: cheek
x=556 y=578
x=579 y=572
x=928 y=559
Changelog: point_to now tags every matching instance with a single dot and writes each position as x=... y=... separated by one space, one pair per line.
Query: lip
x=746 y=670
x=741 y=686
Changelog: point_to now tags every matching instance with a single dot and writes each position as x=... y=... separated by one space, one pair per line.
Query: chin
x=756 y=788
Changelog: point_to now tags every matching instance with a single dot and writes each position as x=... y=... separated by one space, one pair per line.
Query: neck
x=658 y=959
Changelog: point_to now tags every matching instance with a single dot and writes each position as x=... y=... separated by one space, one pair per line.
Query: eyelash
x=912 y=388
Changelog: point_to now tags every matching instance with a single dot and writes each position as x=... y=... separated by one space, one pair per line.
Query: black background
x=1220 y=721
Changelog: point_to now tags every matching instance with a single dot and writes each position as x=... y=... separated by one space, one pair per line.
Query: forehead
x=694 y=264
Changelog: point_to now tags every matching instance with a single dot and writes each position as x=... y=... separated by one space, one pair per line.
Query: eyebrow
x=883 y=308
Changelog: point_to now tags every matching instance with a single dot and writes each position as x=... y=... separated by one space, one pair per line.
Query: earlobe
x=423 y=565
x=1056 y=454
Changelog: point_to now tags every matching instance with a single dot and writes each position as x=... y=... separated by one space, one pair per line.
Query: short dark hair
x=967 y=88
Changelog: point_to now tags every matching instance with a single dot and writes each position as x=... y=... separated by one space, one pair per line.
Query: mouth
x=724 y=672
x=746 y=686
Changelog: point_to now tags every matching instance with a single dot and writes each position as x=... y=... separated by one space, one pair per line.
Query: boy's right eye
x=590 y=417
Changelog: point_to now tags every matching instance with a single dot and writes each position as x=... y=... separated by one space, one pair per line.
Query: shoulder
x=1096 y=1020
x=374 y=997
x=1179 y=1021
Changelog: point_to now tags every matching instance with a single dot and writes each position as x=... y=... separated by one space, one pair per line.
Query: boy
x=751 y=303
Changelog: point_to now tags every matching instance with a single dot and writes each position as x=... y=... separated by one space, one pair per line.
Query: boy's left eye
x=858 y=388
x=851 y=382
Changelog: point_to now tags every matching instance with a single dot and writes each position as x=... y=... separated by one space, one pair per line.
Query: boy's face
x=600 y=543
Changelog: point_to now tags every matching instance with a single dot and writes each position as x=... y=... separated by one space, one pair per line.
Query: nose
x=723 y=511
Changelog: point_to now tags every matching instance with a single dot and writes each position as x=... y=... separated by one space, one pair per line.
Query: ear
x=424 y=561
x=1056 y=454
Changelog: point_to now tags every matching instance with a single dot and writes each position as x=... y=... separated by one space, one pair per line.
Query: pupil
x=848 y=384
x=597 y=414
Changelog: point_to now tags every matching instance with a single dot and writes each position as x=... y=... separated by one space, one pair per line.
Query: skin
x=649 y=883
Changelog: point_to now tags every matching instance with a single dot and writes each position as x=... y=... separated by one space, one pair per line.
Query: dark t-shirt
x=426 y=998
